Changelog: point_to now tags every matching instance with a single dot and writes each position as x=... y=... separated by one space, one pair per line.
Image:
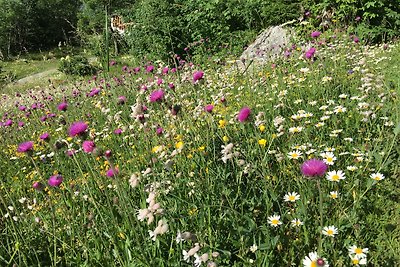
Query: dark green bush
x=76 y=65
x=372 y=20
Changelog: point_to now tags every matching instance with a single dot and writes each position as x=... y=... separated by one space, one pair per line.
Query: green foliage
x=33 y=25
x=76 y=65
x=372 y=20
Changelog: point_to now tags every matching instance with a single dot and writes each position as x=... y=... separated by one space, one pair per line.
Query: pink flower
x=156 y=95
x=244 y=114
x=159 y=130
x=118 y=131
x=45 y=136
x=315 y=34
x=38 y=186
x=55 y=180
x=209 y=108
x=25 y=146
x=150 y=68
x=310 y=53
x=63 y=106
x=356 y=39
x=198 y=75
x=313 y=167
x=121 y=100
x=77 y=128
x=108 y=154
x=112 y=172
x=88 y=146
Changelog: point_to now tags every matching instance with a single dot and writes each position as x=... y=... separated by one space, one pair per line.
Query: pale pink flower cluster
x=162 y=228
x=149 y=212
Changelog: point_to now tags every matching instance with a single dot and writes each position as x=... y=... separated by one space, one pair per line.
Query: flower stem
x=321 y=222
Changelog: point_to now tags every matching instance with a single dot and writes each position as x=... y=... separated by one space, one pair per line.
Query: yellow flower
x=262 y=142
x=179 y=145
x=121 y=235
x=179 y=137
x=262 y=128
x=225 y=139
x=222 y=123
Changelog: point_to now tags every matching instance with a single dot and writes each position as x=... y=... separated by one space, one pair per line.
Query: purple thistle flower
x=94 y=92
x=150 y=68
x=310 y=53
x=77 y=128
x=198 y=75
x=21 y=124
x=159 y=130
x=55 y=180
x=38 y=186
x=45 y=136
x=25 y=146
x=244 y=114
x=315 y=34
x=171 y=86
x=22 y=108
x=118 y=131
x=313 y=167
x=70 y=152
x=112 y=172
x=156 y=95
x=63 y=106
x=8 y=122
x=209 y=108
x=108 y=154
x=121 y=100
x=165 y=70
x=88 y=146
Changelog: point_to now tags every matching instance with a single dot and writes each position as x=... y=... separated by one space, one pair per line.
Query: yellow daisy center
x=314 y=264
x=358 y=250
x=292 y=198
x=329 y=232
x=275 y=221
x=335 y=177
x=355 y=261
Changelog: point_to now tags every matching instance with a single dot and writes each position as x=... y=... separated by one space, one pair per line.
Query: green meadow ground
x=180 y=176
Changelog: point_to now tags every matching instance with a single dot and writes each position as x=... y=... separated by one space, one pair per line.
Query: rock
x=268 y=45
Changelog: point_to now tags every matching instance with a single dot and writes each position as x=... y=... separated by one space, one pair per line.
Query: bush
x=372 y=20
x=76 y=65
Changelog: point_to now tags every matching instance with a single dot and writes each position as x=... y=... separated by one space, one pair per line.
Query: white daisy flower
x=314 y=260
x=357 y=251
x=296 y=223
x=295 y=154
x=329 y=230
x=377 y=176
x=274 y=220
x=335 y=176
x=291 y=197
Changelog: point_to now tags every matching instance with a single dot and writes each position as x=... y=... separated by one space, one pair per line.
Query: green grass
x=207 y=173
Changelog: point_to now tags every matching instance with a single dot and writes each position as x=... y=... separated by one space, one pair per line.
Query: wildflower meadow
x=293 y=163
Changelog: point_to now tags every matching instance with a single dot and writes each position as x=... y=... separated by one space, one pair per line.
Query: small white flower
x=295 y=154
x=296 y=222
x=377 y=176
x=330 y=230
x=292 y=197
x=334 y=194
x=253 y=248
x=357 y=251
x=274 y=220
x=335 y=176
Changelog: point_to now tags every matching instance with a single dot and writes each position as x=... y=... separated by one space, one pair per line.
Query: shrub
x=76 y=65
